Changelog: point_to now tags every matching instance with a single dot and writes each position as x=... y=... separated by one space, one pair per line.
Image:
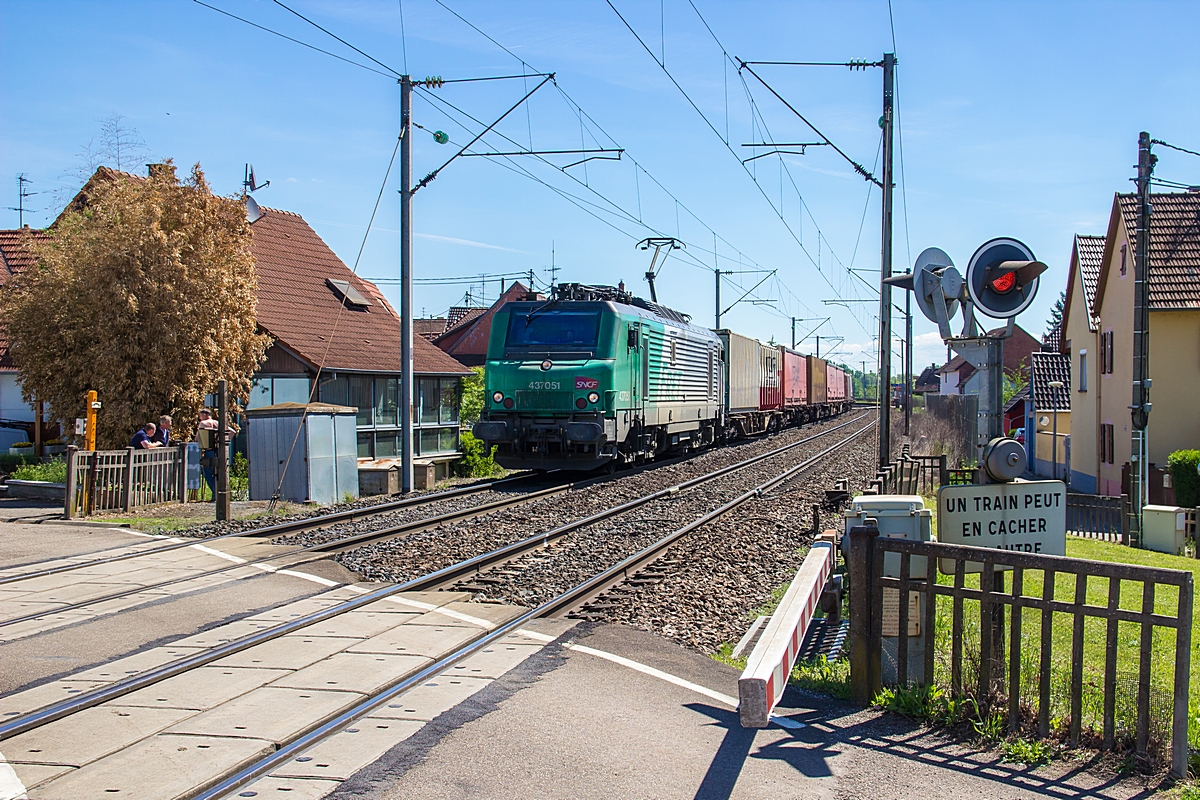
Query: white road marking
x=219 y=554
x=724 y=699
x=11 y=787
x=266 y=567
x=449 y=612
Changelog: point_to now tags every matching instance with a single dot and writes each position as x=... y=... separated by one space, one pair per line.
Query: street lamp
x=1056 y=386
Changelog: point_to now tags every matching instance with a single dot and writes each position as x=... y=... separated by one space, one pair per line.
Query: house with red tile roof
x=1098 y=339
x=16 y=415
x=328 y=321
x=332 y=330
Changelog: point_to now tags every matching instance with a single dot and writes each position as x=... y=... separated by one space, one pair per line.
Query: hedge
x=1184 y=477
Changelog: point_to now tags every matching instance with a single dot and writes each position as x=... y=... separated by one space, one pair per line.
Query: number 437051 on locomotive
x=595 y=376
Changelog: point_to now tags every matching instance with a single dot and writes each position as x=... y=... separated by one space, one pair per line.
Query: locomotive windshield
x=551 y=331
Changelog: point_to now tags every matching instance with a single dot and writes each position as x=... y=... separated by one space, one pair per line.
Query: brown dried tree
x=144 y=291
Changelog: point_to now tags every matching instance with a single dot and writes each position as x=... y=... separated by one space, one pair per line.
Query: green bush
x=1184 y=477
x=476 y=461
x=54 y=471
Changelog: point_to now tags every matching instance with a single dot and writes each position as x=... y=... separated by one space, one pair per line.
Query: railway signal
x=1001 y=281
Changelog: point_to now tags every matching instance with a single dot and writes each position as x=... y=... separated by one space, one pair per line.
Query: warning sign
x=1026 y=516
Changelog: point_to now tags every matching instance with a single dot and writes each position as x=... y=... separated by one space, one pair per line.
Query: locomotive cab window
x=553 y=331
x=631 y=340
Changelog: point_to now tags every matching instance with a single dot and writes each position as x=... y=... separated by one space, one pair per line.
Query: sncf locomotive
x=595 y=377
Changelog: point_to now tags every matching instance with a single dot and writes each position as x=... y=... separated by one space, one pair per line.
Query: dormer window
x=347 y=294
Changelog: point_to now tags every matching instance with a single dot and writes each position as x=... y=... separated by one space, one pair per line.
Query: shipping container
x=794 y=378
x=835 y=383
x=743 y=372
x=769 y=395
x=816 y=381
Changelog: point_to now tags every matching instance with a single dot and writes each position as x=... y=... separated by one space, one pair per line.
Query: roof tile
x=1174 y=246
x=296 y=306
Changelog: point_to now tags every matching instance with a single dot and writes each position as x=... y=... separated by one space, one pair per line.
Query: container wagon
x=752 y=393
x=835 y=384
x=794 y=386
x=817 y=397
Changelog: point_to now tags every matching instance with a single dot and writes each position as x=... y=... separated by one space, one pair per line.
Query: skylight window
x=350 y=296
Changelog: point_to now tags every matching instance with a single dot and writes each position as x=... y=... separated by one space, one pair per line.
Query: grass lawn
x=1095 y=631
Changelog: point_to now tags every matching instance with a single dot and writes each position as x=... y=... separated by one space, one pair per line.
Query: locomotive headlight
x=497 y=397
x=593 y=397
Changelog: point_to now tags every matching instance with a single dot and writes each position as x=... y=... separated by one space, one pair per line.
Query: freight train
x=596 y=377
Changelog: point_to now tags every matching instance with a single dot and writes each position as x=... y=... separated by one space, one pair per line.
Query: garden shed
x=308 y=450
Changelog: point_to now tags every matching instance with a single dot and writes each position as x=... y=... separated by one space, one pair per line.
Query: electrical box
x=899 y=516
x=1163 y=528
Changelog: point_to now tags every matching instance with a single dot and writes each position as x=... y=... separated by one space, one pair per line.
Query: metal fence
x=1034 y=673
x=1098 y=517
x=121 y=480
x=910 y=474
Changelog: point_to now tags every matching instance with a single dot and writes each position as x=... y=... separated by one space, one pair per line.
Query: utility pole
x=793 y=333
x=406 y=285
x=1140 y=409
x=818 y=346
x=717 y=275
x=908 y=360
x=885 y=268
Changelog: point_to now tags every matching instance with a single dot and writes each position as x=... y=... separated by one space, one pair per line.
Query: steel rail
x=306 y=523
x=591 y=589
x=344 y=544
x=55 y=711
x=322 y=731
x=337 y=545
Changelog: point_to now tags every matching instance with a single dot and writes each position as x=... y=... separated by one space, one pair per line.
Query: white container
x=1164 y=528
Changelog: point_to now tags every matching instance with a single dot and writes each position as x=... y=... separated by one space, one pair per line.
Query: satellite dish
x=253 y=212
x=934 y=272
x=1002 y=278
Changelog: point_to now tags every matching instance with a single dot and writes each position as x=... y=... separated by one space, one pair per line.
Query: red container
x=794 y=378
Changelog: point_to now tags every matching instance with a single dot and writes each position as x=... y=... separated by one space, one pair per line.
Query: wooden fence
x=996 y=684
x=121 y=480
x=1098 y=517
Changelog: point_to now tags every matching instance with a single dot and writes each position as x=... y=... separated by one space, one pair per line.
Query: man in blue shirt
x=144 y=439
x=162 y=436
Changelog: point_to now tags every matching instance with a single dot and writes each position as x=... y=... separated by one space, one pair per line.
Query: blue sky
x=1016 y=119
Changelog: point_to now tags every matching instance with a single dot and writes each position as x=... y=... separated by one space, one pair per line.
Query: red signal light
x=1005 y=283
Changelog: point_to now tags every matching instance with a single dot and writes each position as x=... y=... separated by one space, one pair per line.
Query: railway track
x=270 y=531
x=444 y=577
x=329 y=542
x=580 y=597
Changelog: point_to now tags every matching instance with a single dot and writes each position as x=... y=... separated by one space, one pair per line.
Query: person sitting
x=163 y=435
x=144 y=439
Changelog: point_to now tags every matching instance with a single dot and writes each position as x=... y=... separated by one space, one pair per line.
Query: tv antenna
x=22 y=193
x=669 y=242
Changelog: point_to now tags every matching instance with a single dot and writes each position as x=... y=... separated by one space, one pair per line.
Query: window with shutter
x=1110 y=352
x=1103 y=353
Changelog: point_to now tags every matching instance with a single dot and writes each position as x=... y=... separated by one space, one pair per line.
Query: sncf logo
x=586 y=383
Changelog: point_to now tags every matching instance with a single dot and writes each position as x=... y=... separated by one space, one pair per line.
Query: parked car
x=1019 y=435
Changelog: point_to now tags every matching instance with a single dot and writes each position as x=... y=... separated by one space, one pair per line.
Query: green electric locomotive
x=595 y=377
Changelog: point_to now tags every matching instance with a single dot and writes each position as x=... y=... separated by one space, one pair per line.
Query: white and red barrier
x=770 y=663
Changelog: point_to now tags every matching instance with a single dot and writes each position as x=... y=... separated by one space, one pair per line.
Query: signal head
x=1002 y=278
